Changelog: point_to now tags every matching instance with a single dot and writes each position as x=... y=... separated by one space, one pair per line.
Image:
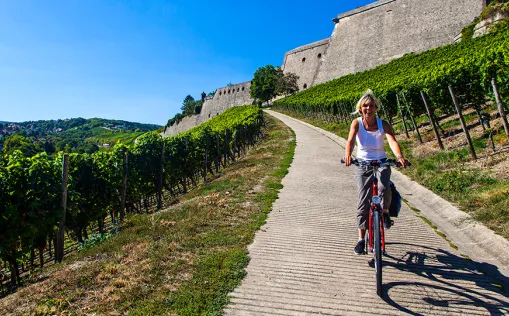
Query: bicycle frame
x=376 y=234
x=375 y=207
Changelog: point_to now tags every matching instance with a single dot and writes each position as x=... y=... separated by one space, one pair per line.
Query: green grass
x=475 y=191
x=181 y=261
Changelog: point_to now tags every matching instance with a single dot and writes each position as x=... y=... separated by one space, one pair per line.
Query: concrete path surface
x=302 y=261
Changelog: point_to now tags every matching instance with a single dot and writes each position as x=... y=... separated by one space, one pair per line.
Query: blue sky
x=137 y=60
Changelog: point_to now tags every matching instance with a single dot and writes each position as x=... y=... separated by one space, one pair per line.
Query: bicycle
x=375 y=238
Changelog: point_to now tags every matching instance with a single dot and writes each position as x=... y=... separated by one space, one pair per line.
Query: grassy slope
x=183 y=260
x=451 y=173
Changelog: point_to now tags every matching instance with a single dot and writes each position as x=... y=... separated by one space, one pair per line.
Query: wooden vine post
x=235 y=148
x=205 y=160
x=244 y=139
x=335 y=113
x=346 y=113
x=232 y=152
x=463 y=124
x=225 y=147
x=160 y=180
x=218 y=154
x=59 y=249
x=185 y=171
x=416 y=129
x=500 y=106
x=385 y=114
x=124 y=186
x=402 y=116
x=423 y=95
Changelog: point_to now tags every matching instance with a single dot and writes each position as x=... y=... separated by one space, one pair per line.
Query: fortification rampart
x=223 y=99
x=379 y=32
x=305 y=62
x=362 y=39
x=375 y=34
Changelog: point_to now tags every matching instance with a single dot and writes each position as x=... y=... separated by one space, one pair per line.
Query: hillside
x=76 y=134
x=204 y=227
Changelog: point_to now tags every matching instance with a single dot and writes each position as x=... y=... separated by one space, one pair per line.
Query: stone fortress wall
x=223 y=99
x=305 y=61
x=363 y=38
x=381 y=31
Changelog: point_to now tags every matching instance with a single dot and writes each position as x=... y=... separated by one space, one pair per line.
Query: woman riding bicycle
x=368 y=131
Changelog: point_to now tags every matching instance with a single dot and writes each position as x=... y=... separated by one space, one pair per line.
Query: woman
x=368 y=131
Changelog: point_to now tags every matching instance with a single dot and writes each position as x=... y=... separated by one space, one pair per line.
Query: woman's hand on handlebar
x=348 y=160
x=404 y=163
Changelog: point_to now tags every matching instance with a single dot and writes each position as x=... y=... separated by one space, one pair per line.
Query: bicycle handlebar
x=376 y=163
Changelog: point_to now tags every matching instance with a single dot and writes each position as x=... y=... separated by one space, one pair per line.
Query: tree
x=288 y=84
x=49 y=147
x=264 y=85
x=188 y=105
x=18 y=142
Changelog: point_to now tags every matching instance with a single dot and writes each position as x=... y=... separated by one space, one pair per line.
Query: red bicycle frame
x=375 y=208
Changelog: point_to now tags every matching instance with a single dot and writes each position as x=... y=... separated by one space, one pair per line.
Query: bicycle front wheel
x=377 y=251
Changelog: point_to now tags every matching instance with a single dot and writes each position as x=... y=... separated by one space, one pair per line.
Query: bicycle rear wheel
x=377 y=251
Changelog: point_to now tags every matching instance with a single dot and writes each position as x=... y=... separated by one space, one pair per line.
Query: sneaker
x=387 y=221
x=359 y=248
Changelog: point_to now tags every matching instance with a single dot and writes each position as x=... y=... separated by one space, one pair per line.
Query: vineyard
x=43 y=199
x=112 y=138
x=472 y=68
x=450 y=103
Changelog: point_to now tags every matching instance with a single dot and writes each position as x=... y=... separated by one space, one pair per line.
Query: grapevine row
x=110 y=184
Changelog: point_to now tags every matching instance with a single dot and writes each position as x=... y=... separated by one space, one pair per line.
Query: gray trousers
x=363 y=178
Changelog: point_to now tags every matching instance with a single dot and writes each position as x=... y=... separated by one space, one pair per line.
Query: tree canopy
x=18 y=142
x=288 y=84
x=265 y=82
x=188 y=105
x=270 y=81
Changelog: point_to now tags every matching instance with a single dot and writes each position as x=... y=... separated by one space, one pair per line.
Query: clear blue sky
x=137 y=60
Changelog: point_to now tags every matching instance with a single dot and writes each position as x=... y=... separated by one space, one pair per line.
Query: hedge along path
x=302 y=261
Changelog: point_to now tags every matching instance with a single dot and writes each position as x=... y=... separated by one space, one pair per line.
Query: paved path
x=302 y=260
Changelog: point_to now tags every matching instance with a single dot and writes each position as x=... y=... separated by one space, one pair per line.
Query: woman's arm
x=393 y=143
x=350 y=143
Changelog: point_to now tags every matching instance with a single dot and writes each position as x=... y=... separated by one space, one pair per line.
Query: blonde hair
x=366 y=97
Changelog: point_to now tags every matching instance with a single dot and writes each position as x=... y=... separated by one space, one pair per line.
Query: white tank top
x=370 y=144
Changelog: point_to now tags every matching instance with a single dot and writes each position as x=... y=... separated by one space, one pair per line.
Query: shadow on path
x=444 y=269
